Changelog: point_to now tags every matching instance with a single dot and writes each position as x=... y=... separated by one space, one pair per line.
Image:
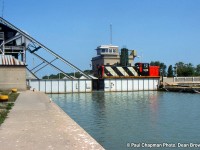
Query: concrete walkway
x=36 y=123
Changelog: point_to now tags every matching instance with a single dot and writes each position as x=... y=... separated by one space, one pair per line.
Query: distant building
x=107 y=55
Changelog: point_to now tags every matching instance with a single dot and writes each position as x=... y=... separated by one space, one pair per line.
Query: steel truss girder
x=37 y=66
x=36 y=49
x=12 y=39
x=45 y=65
x=49 y=63
x=42 y=46
x=32 y=73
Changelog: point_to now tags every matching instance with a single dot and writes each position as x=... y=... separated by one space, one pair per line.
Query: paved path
x=36 y=123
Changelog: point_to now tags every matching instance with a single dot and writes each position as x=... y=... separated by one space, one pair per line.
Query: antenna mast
x=110 y=34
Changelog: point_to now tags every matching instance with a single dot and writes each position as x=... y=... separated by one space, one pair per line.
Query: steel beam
x=45 y=65
x=42 y=46
x=51 y=65
x=13 y=38
x=36 y=49
x=32 y=73
x=37 y=66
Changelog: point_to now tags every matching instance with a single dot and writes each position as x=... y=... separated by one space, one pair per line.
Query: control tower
x=108 y=55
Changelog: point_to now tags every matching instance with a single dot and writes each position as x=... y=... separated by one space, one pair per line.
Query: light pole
x=175 y=71
x=161 y=72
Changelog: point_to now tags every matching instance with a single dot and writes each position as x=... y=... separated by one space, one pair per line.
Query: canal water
x=128 y=120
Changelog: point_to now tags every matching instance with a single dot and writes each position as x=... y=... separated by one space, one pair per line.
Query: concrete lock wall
x=61 y=86
x=12 y=77
x=133 y=84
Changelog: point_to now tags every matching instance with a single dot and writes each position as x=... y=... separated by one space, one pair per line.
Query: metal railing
x=186 y=79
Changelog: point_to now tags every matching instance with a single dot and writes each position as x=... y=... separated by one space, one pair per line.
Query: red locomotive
x=140 y=69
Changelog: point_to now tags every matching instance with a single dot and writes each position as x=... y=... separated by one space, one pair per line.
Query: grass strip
x=5 y=107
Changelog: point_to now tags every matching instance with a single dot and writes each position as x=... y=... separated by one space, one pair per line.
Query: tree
x=161 y=65
x=185 y=70
x=197 y=70
x=170 y=71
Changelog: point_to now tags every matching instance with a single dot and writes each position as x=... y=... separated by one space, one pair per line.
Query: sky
x=159 y=30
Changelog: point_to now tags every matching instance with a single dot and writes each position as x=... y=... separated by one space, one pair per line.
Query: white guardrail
x=186 y=79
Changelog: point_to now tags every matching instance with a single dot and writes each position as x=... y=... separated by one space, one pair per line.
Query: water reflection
x=116 y=118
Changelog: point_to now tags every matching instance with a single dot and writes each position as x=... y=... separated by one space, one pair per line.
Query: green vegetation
x=162 y=66
x=197 y=70
x=185 y=69
x=170 y=72
x=180 y=69
x=6 y=106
